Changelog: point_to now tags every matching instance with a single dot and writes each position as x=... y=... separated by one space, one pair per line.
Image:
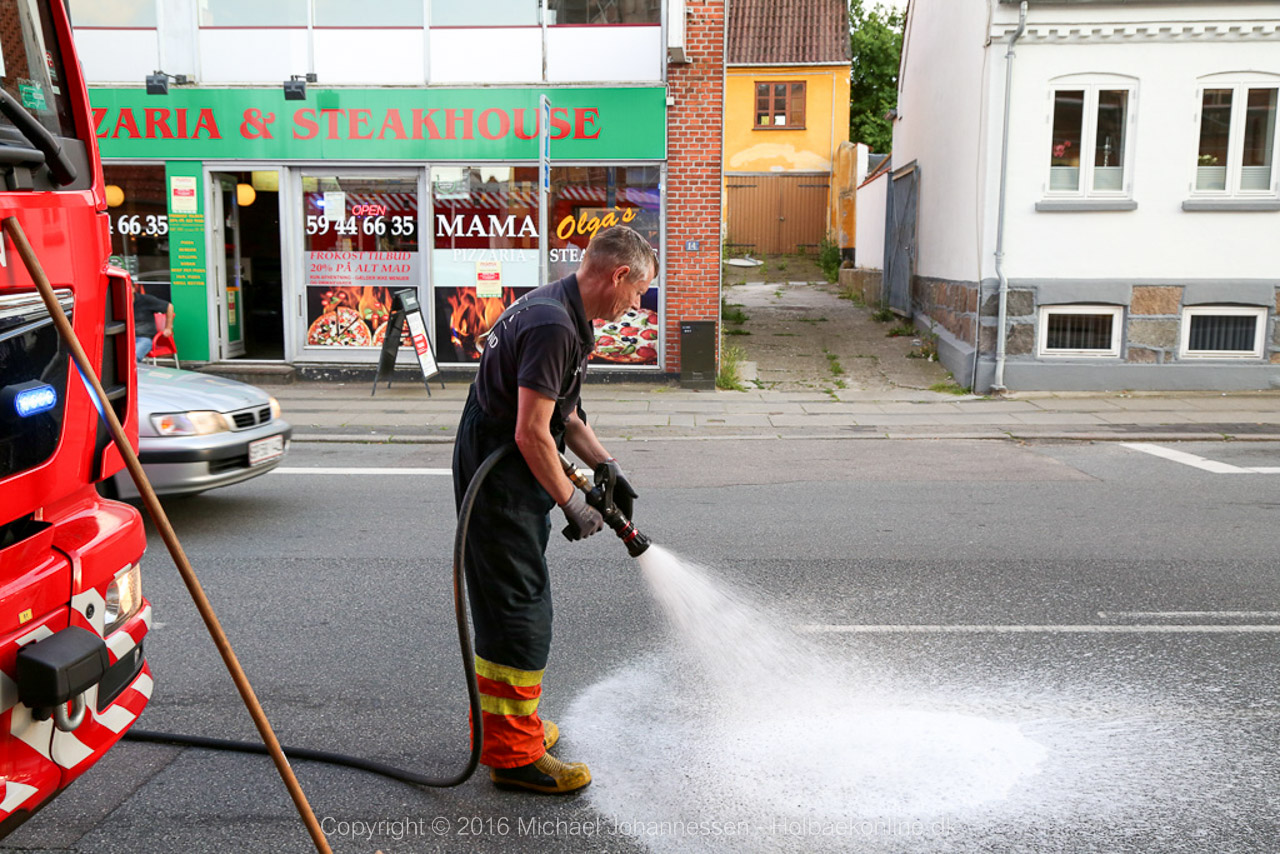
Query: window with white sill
x=1236 y=151
x=1223 y=332
x=1091 y=126
x=1079 y=330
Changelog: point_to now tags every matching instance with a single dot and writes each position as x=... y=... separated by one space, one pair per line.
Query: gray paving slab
x=664 y=405
x=995 y=406
x=767 y=408
x=601 y=404
x=1134 y=404
x=733 y=420
x=1241 y=416
x=900 y=420
x=932 y=407
x=683 y=419
x=828 y=420
x=1090 y=404
x=1156 y=417
x=628 y=419
x=1042 y=418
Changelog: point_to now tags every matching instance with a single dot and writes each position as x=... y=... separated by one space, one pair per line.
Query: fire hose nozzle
x=600 y=496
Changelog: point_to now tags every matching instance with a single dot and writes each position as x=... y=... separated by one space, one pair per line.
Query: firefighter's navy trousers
x=507 y=586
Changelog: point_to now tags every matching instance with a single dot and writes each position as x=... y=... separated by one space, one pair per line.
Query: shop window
x=253 y=13
x=604 y=11
x=486 y=253
x=1237 y=146
x=485 y=13
x=138 y=218
x=1079 y=330
x=119 y=13
x=361 y=245
x=780 y=105
x=1223 y=332
x=384 y=13
x=585 y=199
x=1087 y=151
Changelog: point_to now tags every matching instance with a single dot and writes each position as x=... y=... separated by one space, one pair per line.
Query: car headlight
x=124 y=598
x=189 y=423
x=275 y=408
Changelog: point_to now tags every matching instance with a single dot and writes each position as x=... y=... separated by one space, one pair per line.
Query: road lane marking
x=1185 y=458
x=1173 y=615
x=1195 y=461
x=1162 y=628
x=378 y=471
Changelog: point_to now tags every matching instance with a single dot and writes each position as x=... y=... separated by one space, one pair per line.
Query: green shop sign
x=380 y=124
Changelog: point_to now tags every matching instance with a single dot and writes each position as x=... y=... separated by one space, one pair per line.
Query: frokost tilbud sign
x=380 y=124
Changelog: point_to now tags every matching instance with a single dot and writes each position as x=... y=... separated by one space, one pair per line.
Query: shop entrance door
x=360 y=244
x=244 y=263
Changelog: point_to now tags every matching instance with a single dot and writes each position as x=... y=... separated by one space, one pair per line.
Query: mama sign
x=380 y=124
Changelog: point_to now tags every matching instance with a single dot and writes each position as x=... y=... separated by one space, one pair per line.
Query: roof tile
x=783 y=31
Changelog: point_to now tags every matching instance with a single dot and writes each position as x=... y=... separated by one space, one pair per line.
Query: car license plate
x=265 y=449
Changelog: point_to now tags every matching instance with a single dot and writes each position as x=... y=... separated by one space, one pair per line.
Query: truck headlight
x=124 y=598
x=189 y=423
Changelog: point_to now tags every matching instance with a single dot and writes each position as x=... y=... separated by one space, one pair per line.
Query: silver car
x=198 y=431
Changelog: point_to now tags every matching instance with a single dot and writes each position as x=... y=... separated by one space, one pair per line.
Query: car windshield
x=31 y=68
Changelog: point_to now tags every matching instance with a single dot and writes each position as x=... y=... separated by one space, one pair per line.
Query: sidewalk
x=345 y=412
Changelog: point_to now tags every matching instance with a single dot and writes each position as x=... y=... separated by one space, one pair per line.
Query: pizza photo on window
x=632 y=339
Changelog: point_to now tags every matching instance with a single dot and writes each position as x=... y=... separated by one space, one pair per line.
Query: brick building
x=300 y=161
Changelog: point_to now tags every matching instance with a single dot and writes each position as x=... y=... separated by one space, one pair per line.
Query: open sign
x=368 y=210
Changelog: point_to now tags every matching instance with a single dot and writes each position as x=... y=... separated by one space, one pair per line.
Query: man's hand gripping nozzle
x=600 y=496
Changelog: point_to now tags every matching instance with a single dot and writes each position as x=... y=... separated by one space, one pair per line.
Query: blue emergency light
x=30 y=398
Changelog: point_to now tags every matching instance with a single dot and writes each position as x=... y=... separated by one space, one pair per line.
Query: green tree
x=875 y=41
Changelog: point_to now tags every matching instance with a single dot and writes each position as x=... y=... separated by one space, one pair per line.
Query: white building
x=1140 y=242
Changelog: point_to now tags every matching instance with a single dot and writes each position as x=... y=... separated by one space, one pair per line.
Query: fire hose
x=599 y=495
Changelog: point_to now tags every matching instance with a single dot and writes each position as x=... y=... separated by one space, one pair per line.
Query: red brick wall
x=695 y=151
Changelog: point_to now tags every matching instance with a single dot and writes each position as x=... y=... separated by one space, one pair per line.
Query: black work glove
x=624 y=495
x=584 y=520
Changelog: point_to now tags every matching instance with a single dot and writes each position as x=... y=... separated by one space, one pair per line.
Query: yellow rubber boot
x=550 y=735
x=547 y=775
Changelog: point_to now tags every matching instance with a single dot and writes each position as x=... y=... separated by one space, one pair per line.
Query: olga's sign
x=380 y=124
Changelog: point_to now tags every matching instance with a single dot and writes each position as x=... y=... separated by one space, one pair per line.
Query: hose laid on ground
x=468 y=665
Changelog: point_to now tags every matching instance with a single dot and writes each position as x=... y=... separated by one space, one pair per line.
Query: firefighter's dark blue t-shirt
x=538 y=347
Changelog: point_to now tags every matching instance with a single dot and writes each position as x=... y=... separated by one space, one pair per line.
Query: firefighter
x=527 y=390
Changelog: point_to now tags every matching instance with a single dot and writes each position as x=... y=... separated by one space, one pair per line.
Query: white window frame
x=1239 y=86
x=1042 y=331
x=1091 y=84
x=1259 y=331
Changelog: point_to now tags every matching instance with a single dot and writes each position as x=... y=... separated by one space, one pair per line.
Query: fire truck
x=73 y=677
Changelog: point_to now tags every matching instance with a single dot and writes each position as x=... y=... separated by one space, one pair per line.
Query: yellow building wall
x=747 y=149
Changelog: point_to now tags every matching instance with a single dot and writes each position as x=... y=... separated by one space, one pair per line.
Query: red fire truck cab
x=73 y=676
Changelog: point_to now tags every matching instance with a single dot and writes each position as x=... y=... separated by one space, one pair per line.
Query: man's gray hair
x=620 y=245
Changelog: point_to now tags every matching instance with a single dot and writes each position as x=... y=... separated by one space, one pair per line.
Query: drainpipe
x=1002 y=323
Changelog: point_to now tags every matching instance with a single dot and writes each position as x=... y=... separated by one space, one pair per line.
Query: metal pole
x=1002 y=320
x=14 y=229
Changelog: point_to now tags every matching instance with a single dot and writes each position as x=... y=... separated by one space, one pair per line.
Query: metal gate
x=900 y=212
x=776 y=213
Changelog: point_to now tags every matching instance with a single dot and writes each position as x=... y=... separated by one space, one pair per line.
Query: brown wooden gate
x=774 y=213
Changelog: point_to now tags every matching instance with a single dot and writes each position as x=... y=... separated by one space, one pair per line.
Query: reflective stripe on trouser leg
x=509 y=707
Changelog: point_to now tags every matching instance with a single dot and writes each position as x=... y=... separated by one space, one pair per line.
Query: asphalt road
x=985 y=647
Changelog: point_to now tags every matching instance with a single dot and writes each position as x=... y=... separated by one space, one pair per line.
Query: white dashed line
x=1044 y=630
x=1202 y=615
x=1196 y=461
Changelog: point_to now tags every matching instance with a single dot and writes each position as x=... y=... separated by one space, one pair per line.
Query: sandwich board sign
x=406 y=312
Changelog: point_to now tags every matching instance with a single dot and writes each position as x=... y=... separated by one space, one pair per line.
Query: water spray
x=600 y=496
